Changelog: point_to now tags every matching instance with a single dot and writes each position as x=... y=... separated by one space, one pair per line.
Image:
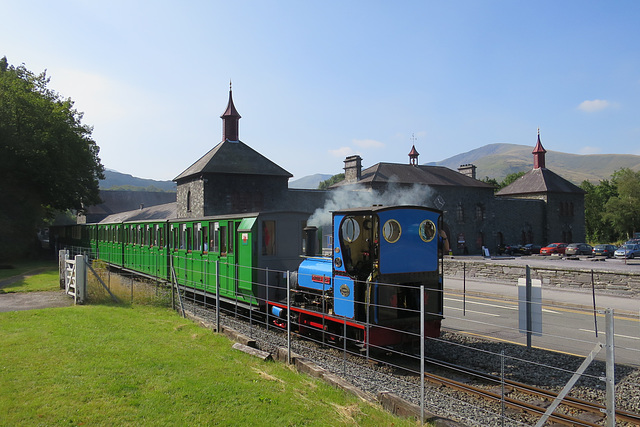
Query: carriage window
x=350 y=229
x=205 y=238
x=215 y=239
x=198 y=236
x=391 y=231
x=232 y=232
x=268 y=237
x=427 y=230
x=190 y=239
x=223 y=239
x=183 y=236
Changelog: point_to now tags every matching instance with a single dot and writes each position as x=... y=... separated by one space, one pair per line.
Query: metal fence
x=476 y=342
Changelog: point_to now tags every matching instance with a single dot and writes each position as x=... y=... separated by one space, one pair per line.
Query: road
x=490 y=309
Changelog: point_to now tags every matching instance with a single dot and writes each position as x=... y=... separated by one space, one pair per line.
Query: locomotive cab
x=381 y=258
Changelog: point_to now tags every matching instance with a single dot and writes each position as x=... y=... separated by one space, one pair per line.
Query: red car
x=553 y=248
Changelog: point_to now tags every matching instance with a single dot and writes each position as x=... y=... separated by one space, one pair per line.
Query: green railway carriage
x=108 y=242
x=238 y=252
x=145 y=247
x=234 y=251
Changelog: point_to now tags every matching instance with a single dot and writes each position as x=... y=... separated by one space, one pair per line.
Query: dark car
x=578 y=249
x=604 y=250
x=553 y=248
x=509 y=249
x=530 y=248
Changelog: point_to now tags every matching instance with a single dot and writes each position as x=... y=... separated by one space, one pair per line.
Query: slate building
x=540 y=207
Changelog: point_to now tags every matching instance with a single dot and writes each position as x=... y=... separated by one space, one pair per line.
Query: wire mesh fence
x=481 y=340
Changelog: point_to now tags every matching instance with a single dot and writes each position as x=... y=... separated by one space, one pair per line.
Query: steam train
x=366 y=287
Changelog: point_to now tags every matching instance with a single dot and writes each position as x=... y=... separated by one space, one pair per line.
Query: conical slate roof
x=540 y=180
x=233 y=157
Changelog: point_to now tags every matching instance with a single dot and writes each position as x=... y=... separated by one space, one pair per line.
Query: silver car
x=627 y=251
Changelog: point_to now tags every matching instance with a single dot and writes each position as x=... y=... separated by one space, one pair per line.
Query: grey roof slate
x=540 y=180
x=159 y=212
x=233 y=157
x=419 y=174
x=114 y=201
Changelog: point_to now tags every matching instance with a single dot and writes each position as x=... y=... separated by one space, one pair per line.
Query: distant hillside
x=499 y=160
x=120 y=181
x=310 y=181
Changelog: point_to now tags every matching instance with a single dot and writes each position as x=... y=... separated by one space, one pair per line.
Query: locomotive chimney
x=311 y=232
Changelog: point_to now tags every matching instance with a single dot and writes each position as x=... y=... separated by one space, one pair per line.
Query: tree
x=48 y=159
x=506 y=181
x=329 y=182
x=598 y=228
x=623 y=210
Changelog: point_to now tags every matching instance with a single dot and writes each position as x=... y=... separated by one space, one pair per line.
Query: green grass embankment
x=144 y=365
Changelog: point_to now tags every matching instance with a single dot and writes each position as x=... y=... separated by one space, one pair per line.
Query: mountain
x=124 y=181
x=499 y=160
x=310 y=181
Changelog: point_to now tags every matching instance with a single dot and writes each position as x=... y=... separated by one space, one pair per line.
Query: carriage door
x=244 y=259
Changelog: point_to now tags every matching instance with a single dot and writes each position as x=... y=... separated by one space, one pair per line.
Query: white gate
x=75 y=276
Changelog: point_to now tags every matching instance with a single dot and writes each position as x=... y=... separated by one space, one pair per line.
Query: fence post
x=81 y=278
x=422 y=354
x=218 y=296
x=610 y=380
x=288 y=321
x=267 y=296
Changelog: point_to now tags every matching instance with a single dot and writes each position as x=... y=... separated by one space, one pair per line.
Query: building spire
x=538 y=154
x=230 y=119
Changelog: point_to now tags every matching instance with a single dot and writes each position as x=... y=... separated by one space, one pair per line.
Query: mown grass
x=38 y=276
x=114 y=365
x=22 y=267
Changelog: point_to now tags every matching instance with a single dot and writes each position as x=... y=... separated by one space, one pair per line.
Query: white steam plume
x=394 y=195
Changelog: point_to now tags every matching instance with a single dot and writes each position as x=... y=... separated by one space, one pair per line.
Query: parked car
x=530 y=248
x=627 y=251
x=632 y=242
x=578 y=249
x=604 y=250
x=553 y=248
x=509 y=249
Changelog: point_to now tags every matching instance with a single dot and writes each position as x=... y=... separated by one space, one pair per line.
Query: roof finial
x=229 y=85
x=538 y=130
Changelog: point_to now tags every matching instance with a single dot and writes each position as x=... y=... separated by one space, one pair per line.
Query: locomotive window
x=427 y=230
x=350 y=229
x=391 y=231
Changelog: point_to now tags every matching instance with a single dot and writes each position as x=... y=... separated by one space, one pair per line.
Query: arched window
x=460 y=213
x=189 y=201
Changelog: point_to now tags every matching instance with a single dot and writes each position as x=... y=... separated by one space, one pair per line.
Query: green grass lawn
x=145 y=365
x=40 y=276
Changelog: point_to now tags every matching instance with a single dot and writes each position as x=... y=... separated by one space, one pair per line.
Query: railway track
x=530 y=399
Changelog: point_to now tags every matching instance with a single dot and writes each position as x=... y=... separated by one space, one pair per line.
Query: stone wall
x=614 y=281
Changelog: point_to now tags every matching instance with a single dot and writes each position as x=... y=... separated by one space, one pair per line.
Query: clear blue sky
x=315 y=81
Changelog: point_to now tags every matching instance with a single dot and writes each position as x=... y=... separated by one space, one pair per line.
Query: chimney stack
x=352 y=168
x=468 y=170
